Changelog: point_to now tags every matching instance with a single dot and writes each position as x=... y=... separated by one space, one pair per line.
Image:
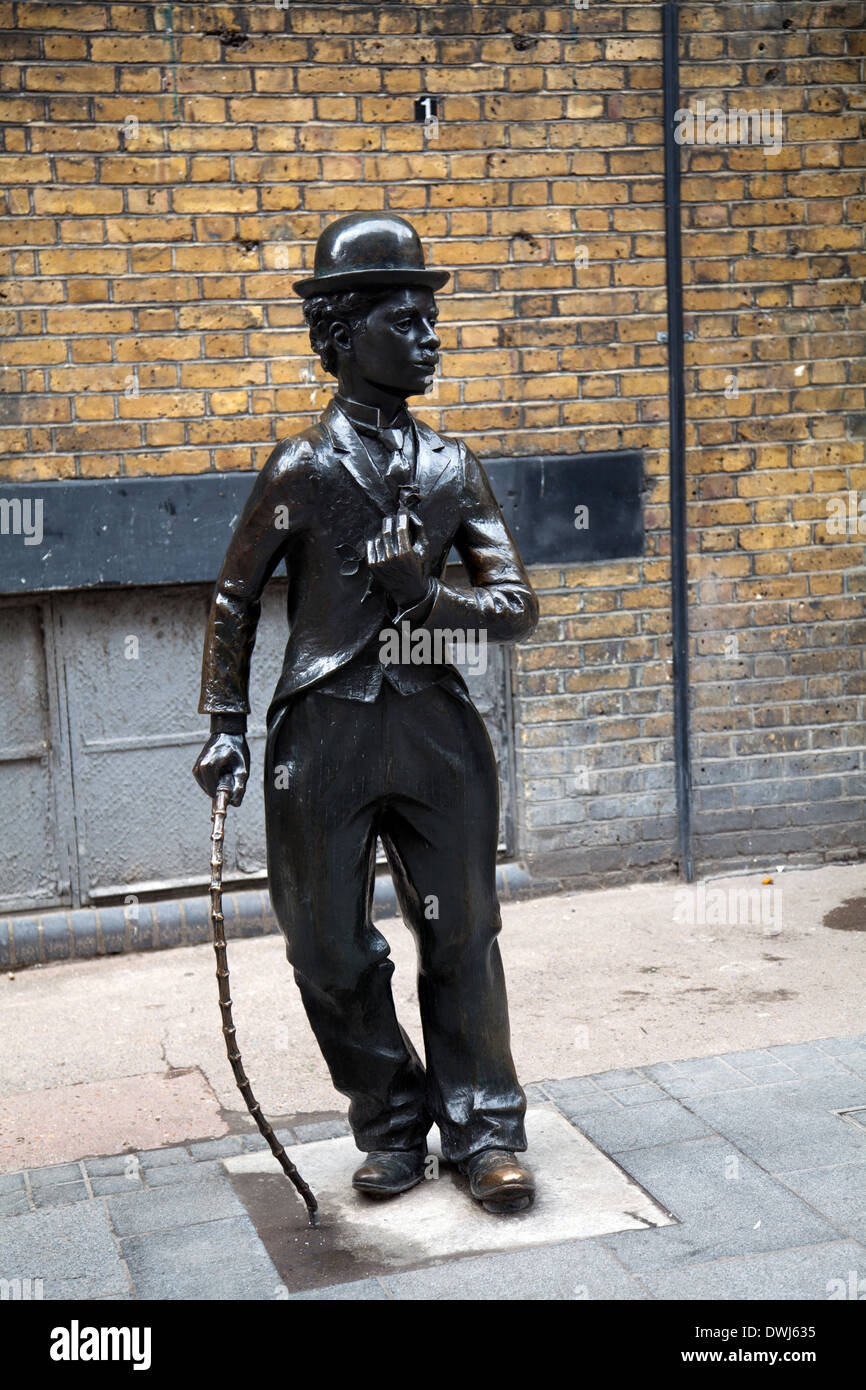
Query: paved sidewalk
x=759 y=1156
x=100 y=1056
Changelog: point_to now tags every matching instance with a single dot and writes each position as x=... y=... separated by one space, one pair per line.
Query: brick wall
x=774 y=295
x=169 y=168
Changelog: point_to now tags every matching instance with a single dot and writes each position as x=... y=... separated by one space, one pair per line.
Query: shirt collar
x=369 y=418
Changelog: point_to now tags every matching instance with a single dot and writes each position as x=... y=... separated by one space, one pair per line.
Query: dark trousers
x=418 y=771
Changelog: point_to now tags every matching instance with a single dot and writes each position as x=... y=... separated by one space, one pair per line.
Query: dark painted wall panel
x=92 y=533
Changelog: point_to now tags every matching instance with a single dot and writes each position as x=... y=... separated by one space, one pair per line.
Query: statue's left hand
x=397 y=562
x=224 y=762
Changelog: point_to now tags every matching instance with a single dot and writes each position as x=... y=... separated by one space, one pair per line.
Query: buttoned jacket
x=314 y=506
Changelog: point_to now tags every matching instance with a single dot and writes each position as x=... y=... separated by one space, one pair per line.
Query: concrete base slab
x=580 y=1193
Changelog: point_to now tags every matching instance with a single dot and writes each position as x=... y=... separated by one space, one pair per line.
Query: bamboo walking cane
x=218 y=816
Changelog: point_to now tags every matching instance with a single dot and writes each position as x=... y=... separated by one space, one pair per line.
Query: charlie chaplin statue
x=364 y=508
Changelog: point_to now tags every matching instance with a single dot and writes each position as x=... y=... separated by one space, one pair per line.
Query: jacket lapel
x=433 y=459
x=348 y=446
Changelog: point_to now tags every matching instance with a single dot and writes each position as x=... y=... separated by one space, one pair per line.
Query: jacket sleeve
x=267 y=526
x=501 y=601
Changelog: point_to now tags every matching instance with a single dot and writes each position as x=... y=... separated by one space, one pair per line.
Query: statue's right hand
x=224 y=762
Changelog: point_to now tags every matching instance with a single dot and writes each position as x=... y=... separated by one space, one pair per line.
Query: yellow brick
x=812 y=127
x=64 y=46
x=79 y=201
x=91 y=350
x=141 y=49
x=32 y=169
x=41 y=16
x=103 y=321
x=160 y=405
x=317 y=19
x=489 y=78
x=213 y=374
x=125 y=169
x=338 y=79
x=155 y=347
x=351 y=199
x=333 y=108
x=228 y=402
x=69 y=79
x=527 y=106
x=140 y=464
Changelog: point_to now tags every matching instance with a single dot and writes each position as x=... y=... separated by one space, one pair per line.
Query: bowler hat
x=368 y=248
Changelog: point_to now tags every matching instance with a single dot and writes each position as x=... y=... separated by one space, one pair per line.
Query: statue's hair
x=348 y=306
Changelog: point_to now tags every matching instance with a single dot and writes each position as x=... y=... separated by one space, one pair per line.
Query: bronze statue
x=364 y=508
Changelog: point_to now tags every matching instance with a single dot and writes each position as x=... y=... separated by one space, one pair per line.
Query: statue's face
x=397 y=348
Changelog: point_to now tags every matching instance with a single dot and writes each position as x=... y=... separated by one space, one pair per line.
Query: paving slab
x=638 y=1095
x=704 y=1075
x=164 y=1158
x=71 y=1248
x=855 y=1061
x=118 y=1182
x=14 y=1203
x=55 y=1173
x=321 y=1129
x=221 y=1259
x=806 y=1060
x=839 y=1193
x=575 y=1098
x=175 y=1174
x=137 y=1213
x=813 y=1272
x=113 y=1165
x=581 y=1193
x=615 y=1080
x=838 y=1047
x=641 y=1127
x=725 y=1204
x=792 y=1125
x=578 y=1270
x=61 y=1194
x=217 y=1148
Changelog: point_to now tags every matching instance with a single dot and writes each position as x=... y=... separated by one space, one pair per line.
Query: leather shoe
x=498 y=1181
x=388 y=1172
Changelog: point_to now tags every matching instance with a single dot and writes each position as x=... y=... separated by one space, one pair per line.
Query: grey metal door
x=99 y=731
x=34 y=772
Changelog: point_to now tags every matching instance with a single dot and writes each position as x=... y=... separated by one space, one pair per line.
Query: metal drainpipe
x=677 y=442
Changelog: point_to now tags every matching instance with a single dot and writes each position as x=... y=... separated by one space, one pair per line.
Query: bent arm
x=262 y=536
x=501 y=601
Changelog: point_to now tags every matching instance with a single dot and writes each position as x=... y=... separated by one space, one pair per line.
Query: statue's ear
x=340 y=336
